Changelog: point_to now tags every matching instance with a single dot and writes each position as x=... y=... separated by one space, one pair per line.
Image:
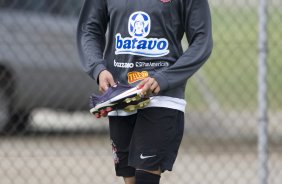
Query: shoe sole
x=103 y=112
x=123 y=101
x=140 y=105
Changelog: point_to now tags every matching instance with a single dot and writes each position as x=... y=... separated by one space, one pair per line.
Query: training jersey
x=135 y=39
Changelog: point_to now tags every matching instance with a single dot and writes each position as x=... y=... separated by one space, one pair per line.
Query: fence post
x=262 y=94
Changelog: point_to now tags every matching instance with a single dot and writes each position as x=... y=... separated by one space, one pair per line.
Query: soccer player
x=138 y=43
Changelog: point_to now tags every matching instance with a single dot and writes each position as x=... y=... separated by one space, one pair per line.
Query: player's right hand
x=105 y=80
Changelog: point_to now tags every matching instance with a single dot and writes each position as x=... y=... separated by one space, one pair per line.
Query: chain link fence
x=48 y=136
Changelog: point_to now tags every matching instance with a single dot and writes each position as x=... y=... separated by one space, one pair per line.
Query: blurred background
x=48 y=136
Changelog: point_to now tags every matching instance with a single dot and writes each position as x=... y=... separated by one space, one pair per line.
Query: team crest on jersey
x=139 y=27
x=139 y=24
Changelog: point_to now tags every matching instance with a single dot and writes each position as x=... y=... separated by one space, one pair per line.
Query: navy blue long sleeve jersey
x=134 y=39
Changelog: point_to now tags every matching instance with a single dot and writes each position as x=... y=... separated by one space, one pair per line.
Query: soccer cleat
x=139 y=105
x=118 y=97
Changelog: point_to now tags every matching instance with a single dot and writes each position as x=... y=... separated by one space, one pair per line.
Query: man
x=143 y=48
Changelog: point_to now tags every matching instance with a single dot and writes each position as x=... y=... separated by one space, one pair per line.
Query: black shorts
x=147 y=140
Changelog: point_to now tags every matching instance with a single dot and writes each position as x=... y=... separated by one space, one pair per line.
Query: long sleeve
x=91 y=37
x=197 y=25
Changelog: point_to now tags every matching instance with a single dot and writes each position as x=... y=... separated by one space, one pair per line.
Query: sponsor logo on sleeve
x=139 y=27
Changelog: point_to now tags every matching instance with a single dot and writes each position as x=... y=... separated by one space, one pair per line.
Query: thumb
x=111 y=81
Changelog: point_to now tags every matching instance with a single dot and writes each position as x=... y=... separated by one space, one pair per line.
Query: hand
x=150 y=85
x=105 y=80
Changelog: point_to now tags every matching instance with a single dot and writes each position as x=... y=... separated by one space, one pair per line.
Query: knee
x=147 y=177
x=129 y=180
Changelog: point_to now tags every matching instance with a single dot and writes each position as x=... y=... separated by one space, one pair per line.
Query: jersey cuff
x=98 y=69
x=162 y=81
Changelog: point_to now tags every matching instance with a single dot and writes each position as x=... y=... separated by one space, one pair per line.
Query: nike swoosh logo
x=144 y=157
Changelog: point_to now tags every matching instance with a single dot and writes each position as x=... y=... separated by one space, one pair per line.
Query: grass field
x=231 y=72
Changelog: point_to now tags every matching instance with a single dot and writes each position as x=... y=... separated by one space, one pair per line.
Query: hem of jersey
x=121 y=113
x=156 y=101
x=168 y=102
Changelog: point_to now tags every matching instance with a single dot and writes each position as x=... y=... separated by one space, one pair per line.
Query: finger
x=104 y=87
x=111 y=81
x=100 y=89
x=154 y=86
x=157 y=90
x=145 y=88
x=106 y=80
x=142 y=83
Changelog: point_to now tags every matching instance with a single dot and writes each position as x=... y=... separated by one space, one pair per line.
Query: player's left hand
x=150 y=85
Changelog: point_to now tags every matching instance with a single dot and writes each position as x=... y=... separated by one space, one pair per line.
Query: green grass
x=231 y=71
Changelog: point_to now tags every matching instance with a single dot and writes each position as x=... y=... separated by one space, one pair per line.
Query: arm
x=197 y=24
x=91 y=38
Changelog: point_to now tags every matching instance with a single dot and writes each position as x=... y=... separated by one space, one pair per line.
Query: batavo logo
x=139 y=27
x=136 y=76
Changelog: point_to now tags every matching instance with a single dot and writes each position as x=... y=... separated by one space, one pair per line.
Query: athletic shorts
x=148 y=140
